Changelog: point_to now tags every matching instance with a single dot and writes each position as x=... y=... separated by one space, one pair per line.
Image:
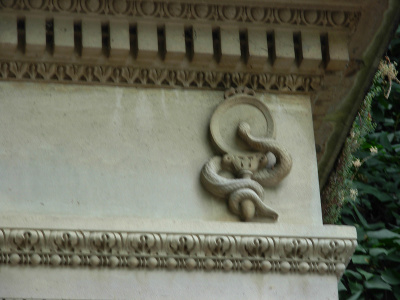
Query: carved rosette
x=173 y=251
x=256 y=161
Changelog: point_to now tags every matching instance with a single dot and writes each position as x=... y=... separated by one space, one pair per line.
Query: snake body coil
x=245 y=194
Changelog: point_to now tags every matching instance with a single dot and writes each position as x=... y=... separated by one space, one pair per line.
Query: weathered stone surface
x=119 y=40
x=35 y=35
x=125 y=151
x=91 y=38
x=63 y=37
x=8 y=34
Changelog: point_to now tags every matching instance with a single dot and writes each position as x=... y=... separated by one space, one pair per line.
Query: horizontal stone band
x=295 y=15
x=149 y=250
x=132 y=76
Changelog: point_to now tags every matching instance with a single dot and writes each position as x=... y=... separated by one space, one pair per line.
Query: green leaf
x=367 y=275
x=360 y=233
x=389 y=122
x=390 y=276
x=351 y=273
x=377 y=251
x=355 y=296
x=396 y=292
x=361 y=218
x=377 y=283
x=393 y=257
x=376 y=226
x=394 y=169
x=360 y=249
x=371 y=190
x=361 y=259
x=341 y=287
x=382 y=234
x=355 y=287
x=385 y=141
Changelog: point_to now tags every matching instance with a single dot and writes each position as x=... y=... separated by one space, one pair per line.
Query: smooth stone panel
x=63 y=37
x=8 y=34
x=83 y=283
x=35 y=35
x=109 y=151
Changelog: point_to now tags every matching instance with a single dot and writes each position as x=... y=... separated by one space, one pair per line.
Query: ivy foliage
x=374 y=205
x=339 y=186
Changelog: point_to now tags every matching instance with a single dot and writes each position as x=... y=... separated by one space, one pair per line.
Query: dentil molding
x=269 y=48
x=174 y=251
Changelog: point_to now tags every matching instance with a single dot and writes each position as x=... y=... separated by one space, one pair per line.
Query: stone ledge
x=176 y=245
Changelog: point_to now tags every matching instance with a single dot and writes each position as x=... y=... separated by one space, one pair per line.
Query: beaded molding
x=172 y=251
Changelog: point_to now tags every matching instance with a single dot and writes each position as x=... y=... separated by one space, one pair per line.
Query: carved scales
x=266 y=164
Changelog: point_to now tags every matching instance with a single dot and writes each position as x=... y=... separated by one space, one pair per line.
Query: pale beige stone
x=119 y=40
x=8 y=34
x=154 y=284
x=284 y=49
x=35 y=28
x=63 y=37
x=258 y=48
x=136 y=146
x=147 y=41
x=338 y=54
x=17 y=281
x=203 y=51
x=175 y=43
x=230 y=46
x=103 y=162
x=91 y=38
x=311 y=50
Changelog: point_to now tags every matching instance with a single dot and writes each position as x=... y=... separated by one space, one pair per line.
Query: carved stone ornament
x=268 y=13
x=31 y=247
x=153 y=77
x=242 y=129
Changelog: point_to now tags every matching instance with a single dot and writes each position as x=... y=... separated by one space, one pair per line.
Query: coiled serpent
x=245 y=194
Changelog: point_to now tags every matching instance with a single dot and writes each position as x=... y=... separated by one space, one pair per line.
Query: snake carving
x=265 y=166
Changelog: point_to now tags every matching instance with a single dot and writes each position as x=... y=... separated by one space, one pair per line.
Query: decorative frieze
x=174 y=251
x=257 y=14
x=101 y=51
x=161 y=77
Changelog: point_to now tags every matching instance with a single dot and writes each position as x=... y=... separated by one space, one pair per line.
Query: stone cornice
x=157 y=77
x=256 y=13
x=175 y=251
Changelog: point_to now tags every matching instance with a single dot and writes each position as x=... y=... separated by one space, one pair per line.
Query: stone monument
x=167 y=149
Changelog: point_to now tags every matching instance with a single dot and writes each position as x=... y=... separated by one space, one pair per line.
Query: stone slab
x=100 y=151
x=109 y=284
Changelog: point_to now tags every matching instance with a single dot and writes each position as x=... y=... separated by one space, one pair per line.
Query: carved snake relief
x=245 y=194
